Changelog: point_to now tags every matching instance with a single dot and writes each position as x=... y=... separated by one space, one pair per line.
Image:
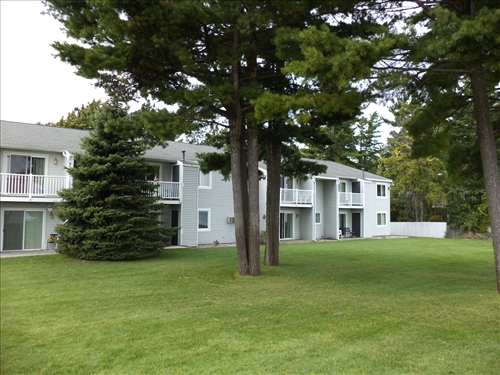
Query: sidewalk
x=22 y=253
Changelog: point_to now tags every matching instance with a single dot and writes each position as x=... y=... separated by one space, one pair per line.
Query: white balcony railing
x=29 y=185
x=296 y=196
x=351 y=199
x=169 y=190
x=42 y=186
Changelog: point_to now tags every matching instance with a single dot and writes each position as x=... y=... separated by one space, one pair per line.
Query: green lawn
x=392 y=306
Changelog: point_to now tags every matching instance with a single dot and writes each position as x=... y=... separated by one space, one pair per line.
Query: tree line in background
x=275 y=74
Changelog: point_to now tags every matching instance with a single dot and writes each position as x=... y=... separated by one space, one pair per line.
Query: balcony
x=32 y=186
x=351 y=199
x=296 y=197
x=169 y=191
x=41 y=187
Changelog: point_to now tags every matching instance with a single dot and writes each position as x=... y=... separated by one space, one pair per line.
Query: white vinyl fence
x=420 y=229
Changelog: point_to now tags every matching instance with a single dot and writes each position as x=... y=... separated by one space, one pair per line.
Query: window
x=286 y=226
x=205 y=180
x=22 y=230
x=23 y=164
x=381 y=191
x=204 y=220
x=318 y=217
x=381 y=219
x=342 y=186
x=26 y=174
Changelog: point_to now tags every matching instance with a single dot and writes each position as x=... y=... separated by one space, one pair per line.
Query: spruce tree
x=111 y=211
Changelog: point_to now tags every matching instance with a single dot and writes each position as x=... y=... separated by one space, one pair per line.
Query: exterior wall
x=307 y=221
x=367 y=219
x=51 y=167
x=319 y=206
x=49 y=222
x=219 y=200
x=330 y=214
x=189 y=211
x=380 y=205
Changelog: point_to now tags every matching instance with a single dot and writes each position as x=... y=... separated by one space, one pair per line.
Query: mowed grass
x=390 y=306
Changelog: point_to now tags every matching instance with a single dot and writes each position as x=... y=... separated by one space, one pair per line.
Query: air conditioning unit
x=230 y=219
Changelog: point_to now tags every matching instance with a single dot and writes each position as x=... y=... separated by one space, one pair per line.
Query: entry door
x=356 y=224
x=286 y=226
x=22 y=230
x=342 y=223
x=175 y=223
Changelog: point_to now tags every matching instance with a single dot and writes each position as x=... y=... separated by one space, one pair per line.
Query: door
x=175 y=223
x=356 y=224
x=27 y=175
x=22 y=230
x=342 y=223
x=286 y=226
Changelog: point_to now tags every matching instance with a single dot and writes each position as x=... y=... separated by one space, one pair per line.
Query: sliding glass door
x=22 y=230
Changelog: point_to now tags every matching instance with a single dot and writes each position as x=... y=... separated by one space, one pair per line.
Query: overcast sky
x=36 y=86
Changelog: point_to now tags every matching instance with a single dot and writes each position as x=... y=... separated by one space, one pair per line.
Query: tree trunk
x=238 y=167
x=271 y=256
x=253 y=199
x=489 y=157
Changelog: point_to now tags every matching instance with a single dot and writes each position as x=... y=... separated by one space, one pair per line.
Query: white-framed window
x=381 y=219
x=342 y=187
x=205 y=180
x=318 y=217
x=21 y=163
x=204 y=219
x=23 y=229
x=381 y=191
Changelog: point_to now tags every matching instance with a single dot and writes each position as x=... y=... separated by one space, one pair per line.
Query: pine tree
x=111 y=212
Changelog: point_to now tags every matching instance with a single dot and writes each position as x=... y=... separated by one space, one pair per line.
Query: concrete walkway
x=27 y=253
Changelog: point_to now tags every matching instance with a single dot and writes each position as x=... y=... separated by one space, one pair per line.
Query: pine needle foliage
x=111 y=211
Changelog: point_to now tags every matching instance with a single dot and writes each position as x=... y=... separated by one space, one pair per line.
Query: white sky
x=36 y=86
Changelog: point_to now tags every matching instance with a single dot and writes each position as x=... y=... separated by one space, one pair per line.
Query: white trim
x=385 y=191
x=44 y=226
x=208 y=220
x=320 y=218
x=209 y=186
x=6 y=160
x=385 y=216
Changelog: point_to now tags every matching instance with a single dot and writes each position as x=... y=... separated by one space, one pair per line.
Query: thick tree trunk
x=489 y=157
x=271 y=255
x=238 y=167
x=253 y=199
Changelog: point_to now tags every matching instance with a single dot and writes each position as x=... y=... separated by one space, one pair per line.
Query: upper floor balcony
x=351 y=199
x=296 y=197
x=42 y=188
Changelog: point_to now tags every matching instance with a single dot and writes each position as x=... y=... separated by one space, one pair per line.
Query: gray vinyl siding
x=367 y=218
x=48 y=222
x=219 y=199
x=380 y=204
x=320 y=207
x=51 y=169
x=330 y=215
x=189 y=211
x=306 y=219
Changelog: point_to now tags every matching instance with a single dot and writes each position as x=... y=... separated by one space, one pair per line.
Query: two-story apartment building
x=342 y=202
x=33 y=164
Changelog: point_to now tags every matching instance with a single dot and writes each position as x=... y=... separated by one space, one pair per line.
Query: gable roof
x=343 y=171
x=35 y=137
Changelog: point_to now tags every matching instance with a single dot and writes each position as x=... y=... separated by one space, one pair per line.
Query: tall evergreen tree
x=451 y=56
x=111 y=211
x=214 y=60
